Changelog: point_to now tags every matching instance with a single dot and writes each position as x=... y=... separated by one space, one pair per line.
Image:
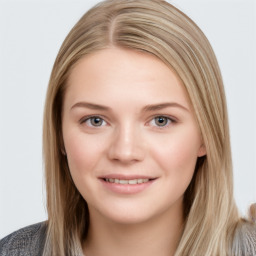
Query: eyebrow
x=90 y=106
x=147 y=108
x=155 y=107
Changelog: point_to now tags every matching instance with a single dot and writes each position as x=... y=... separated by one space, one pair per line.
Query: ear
x=201 y=151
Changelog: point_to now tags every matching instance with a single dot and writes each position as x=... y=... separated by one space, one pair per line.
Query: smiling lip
x=126 y=184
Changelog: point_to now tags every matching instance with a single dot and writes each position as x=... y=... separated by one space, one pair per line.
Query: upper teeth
x=135 y=181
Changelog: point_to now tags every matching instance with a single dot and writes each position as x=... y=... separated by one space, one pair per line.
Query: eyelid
x=172 y=120
x=86 y=118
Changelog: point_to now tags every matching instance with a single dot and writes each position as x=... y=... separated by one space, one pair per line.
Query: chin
x=128 y=213
x=128 y=218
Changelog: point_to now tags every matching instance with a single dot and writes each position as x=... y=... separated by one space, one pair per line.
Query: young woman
x=136 y=142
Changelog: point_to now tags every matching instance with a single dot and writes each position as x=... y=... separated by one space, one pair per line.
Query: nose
x=126 y=145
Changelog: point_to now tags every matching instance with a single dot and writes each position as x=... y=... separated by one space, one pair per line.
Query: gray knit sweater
x=30 y=240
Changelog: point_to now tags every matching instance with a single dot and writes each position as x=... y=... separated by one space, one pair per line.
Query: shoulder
x=26 y=241
x=245 y=239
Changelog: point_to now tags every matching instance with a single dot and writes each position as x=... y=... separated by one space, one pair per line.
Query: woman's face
x=130 y=135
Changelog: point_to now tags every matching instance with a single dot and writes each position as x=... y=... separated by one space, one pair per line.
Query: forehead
x=111 y=73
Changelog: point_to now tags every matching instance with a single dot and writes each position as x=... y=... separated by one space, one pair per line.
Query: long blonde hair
x=158 y=28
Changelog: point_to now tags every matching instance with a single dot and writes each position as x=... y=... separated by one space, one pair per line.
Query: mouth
x=127 y=181
x=122 y=184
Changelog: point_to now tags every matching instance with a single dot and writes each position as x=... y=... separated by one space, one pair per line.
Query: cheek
x=177 y=155
x=83 y=154
x=177 y=162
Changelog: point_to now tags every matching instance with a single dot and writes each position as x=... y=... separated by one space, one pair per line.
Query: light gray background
x=31 y=33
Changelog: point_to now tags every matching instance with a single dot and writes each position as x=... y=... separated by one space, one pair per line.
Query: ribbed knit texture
x=28 y=241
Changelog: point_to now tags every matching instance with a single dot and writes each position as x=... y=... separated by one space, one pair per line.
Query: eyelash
x=169 y=121
x=90 y=118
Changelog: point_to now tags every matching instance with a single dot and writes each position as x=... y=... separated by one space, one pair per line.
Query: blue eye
x=94 y=121
x=161 y=121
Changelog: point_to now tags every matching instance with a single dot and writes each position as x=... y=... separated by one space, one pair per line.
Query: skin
x=130 y=139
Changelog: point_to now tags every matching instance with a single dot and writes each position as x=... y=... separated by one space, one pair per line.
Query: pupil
x=96 y=121
x=161 y=121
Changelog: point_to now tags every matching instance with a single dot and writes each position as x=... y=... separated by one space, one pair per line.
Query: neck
x=156 y=236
